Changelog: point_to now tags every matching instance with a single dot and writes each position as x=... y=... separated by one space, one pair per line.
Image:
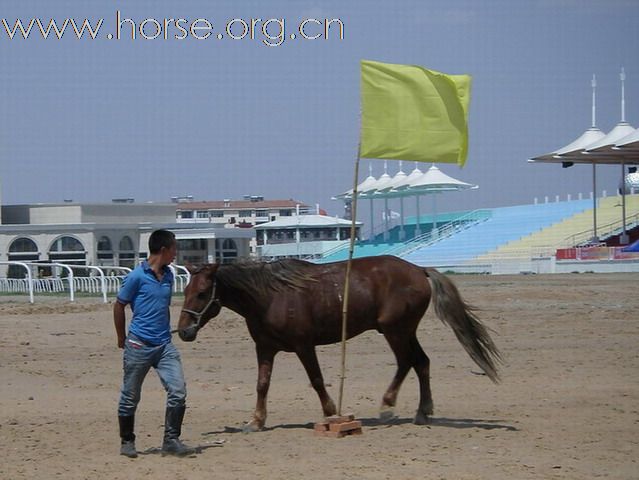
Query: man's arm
x=119 y=320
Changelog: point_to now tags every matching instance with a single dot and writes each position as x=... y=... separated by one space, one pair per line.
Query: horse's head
x=201 y=302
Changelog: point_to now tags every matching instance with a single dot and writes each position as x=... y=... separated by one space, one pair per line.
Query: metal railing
x=608 y=230
x=29 y=279
x=93 y=284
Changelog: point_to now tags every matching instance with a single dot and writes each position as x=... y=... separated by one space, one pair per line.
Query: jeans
x=138 y=359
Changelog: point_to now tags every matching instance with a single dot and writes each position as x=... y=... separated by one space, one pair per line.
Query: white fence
x=98 y=284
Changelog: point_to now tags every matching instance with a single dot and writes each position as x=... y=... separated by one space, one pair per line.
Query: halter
x=198 y=315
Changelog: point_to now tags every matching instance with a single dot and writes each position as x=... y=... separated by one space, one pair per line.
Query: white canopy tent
x=397 y=181
x=628 y=144
x=434 y=181
x=619 y=146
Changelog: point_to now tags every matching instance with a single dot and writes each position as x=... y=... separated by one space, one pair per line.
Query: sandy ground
x=567 y=408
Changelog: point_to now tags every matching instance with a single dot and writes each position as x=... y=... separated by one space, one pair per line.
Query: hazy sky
x=91 y=120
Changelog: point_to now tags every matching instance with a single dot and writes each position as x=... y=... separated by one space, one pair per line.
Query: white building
x=109 y=234
x=246 y=213
x=303 y=236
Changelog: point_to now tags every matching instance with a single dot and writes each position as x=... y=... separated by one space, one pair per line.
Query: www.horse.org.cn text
x=272 y=32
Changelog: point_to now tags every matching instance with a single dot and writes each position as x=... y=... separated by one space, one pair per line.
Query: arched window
x=104 y=244
x=23 y=246
x=105 y=251
x=69 y=250
x=126 y=244
x=21 y=250
x=126 y=252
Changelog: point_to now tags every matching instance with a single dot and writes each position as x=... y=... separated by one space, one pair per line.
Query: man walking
x=148 y=344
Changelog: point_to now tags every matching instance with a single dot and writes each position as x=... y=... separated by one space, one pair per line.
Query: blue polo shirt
x=150 y=300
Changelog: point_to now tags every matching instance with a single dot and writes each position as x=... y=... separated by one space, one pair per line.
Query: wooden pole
x=346 y=283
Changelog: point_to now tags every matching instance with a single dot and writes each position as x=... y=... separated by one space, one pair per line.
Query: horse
x=292 y=305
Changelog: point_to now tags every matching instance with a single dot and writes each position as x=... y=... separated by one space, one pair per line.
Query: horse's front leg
x=265 y=358
x=308 y=357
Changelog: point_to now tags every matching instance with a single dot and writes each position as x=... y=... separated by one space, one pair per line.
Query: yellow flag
x=412 y=113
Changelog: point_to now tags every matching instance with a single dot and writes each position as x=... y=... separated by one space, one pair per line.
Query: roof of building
x=239 y=204
x=306 y=221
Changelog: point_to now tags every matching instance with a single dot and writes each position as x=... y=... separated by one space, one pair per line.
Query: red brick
x=345 y=426
x=340 y=418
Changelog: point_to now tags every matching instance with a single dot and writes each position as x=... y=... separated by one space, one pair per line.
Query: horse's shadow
x=377 y=423
x=472 y=423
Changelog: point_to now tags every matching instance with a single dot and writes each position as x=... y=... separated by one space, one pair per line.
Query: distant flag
x=390 y=215
x=412 y=113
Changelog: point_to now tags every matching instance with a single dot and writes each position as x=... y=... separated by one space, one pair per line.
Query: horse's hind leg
x=421 y=364
x=308 y=357
x=265 y=358
x=399 y=343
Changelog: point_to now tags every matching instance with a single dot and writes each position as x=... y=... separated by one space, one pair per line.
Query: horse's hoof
x=422 y=419
x=387 y=416
x=251 y=428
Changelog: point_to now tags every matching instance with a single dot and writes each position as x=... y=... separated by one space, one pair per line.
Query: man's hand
x=119 y=320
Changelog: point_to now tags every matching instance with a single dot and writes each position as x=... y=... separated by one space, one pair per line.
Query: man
x=148 y=344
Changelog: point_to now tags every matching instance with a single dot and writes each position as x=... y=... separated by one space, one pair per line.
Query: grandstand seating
x=506 y=224
x=447 y=224
x=572 y=231
x=523 y=231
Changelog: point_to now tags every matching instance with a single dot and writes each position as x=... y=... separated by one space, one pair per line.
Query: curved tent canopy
x=629 y=143
x=621 y=130
x=379 y=184
x=402 y=185
x=435 y=181
x=362 y=187
x=401 y=189
x=590 y=136
x=397 y=181
x=619 y=147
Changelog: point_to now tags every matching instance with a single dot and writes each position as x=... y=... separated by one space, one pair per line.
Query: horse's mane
x=261 y=279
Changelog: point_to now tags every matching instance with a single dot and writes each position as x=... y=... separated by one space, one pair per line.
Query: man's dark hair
x=159 y=239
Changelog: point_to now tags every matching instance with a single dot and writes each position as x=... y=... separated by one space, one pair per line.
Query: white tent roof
x=364 y=186
x=398 y=180
x=629 y=142
x=589 y=137
x=621 y=130
x=379 y=184
x=601 y=151
x=306 y=221
x=620 y=146
x=400 y=187
x=434 y=180
x=416 y=173
x=417 y=183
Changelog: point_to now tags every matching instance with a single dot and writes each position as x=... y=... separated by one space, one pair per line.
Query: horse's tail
x=471 y=333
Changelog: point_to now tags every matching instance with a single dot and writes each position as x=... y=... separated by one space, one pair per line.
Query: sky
x=152 y=118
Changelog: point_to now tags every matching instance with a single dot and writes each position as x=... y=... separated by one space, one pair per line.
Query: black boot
x=127 y=445
x=172 y=445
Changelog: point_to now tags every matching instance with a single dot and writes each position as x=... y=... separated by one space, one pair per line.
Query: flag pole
x=346 y=282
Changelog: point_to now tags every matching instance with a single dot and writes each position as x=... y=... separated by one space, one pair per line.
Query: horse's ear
x=190 y=267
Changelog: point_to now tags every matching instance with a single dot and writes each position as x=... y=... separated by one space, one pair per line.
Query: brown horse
x=292 y=306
